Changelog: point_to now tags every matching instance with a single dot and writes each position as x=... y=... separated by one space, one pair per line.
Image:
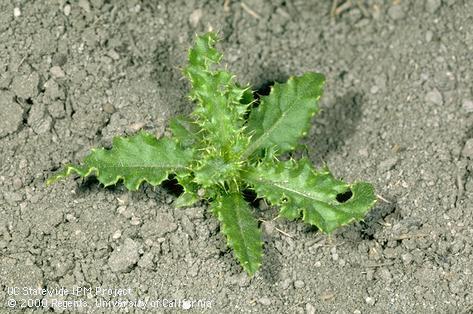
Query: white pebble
x=57 y=72
x=67 y=10
x=298 y=284
x=309 y=309
x=135 y=221
x=370 y=301
x=467 y=105
x=265 y=301
x=16 y=12
x=116 y=235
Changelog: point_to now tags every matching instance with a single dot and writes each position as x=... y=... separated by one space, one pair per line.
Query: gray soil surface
x=397 y=111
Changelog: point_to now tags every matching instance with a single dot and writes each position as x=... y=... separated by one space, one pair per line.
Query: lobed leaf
x=135 y=159
x=297 y=188
x=221 y=103
x=283 y=116
x=241 y=230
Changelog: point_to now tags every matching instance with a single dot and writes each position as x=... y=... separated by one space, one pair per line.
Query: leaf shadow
x=371 y=224
x=335 y=124
x=171 y=85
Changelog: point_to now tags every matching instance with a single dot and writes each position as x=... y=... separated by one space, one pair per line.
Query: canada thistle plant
x=222 y=149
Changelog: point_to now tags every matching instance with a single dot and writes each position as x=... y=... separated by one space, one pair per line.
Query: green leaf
x=184 y=130
x=283 y=116
x=296 y=187
x=241 y=230
x=221 y=103
x=135 y=159
x=190 y=195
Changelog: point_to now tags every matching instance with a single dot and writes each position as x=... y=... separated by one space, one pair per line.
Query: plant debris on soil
x=397 y=112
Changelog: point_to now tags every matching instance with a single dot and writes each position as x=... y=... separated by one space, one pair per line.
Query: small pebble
x=195 y=17
x=17 y=183
x=57 y=72
x=335 y=256
x=387 y=164
x=428 y=36
x=317 y=264
x=467 y=150
x=309 y=308
x=265 y=301
x=432 y=5
x=135 y=221
x=16 y=12
x=370 y=301
x=356 y=312
x=434 y=97
x=299 y=284
x=116 y=235
x=467 y=105
x=113 y=54
x=70 y=217
x=396 y=12
x=108 y=108
x=374 y=89
x=85 y=5
x=67 y=10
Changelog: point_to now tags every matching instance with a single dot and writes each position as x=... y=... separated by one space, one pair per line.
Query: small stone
x=108 y=108
x=269 y=228
x=265 y=301
x=39 y=120
x=370 y=301
x=374 y=89
x=467 y=150
x=146 y=260
x=56 y=109
x=384 y=274
x=387 y=164
x=428 y=36
x=53 y=91
x=286 y=283
x=467 y=105
x=57 y=72
x=163 y=224
x=356 y=312
x=335 y=257
x=135 y=221
x=195 y=17
x=434 y=97
x=243 y=280
x=124 y=257
x=317 y=264
x=113 y=54
x=67 y=10
x=117 y=235
x=396 y=12
x=85 y=5
x=17 y=183
x=299 y=284
x=16 y=12
x=432 y=5
x=11 y=114
x=135 y=127
x=309 y=308
x=25 y=86
x=70 y=217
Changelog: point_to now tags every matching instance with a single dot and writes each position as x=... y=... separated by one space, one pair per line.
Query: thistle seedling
x=223 y=148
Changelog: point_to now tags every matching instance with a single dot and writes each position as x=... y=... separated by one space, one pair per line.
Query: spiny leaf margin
x=296 y=187
x=134 y=160
x=241 y=230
